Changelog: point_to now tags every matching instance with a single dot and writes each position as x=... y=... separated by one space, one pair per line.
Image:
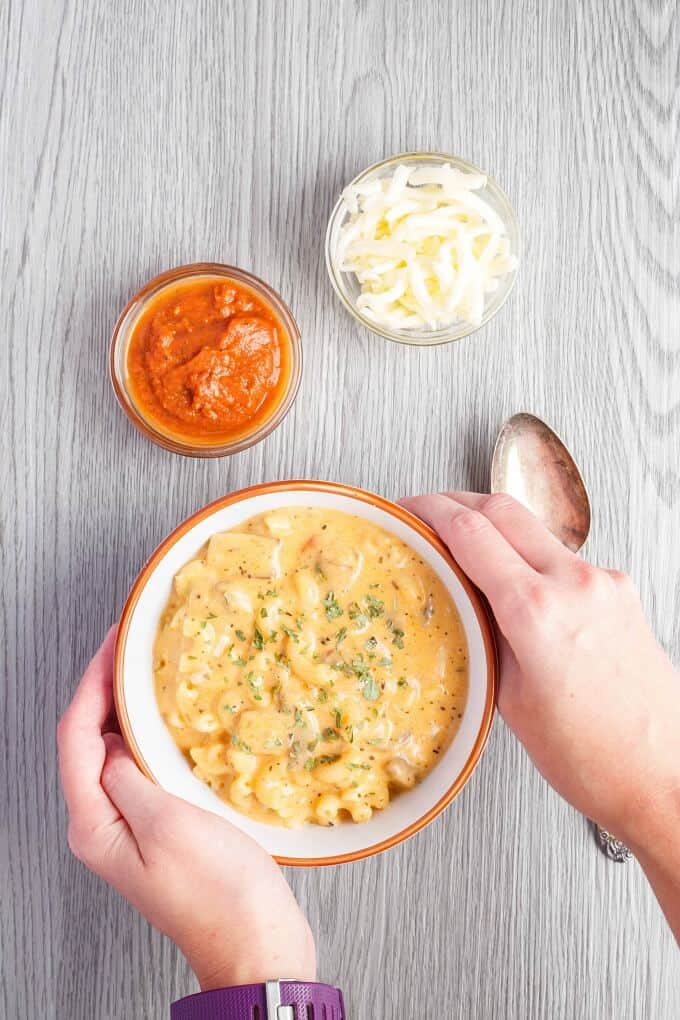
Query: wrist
x=652 y=827
x=254 y=960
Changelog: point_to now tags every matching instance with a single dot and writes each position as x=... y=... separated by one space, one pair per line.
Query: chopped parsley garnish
x=258 y=639
x=324 y=759
x=229 y=708
x=311 y=746
x=355 y=613
x=290 y=633
x=212 y=616
x=263 y=613
x=338 y=717
x=371 y=644
x=281 y=659
x=330 y=734
x=370 y=688
x=299 y=721
x=342 y=667
x=319 y=571
x=240 y=635
x=340 y=636
x=251 y=680
x=271 y=594
x=300 y=622
x=402 y=682
x=374 y=607
x=385 y=661
x=332 y=606
x=359 y=666
x=322 y=696
x=272 y=743
x=358 y=765
x=397 y=637
x=240 y=744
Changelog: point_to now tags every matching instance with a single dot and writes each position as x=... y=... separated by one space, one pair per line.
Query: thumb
x=137 y=798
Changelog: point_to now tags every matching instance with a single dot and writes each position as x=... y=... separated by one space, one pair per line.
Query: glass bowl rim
x=121 y=334
x=447 y=334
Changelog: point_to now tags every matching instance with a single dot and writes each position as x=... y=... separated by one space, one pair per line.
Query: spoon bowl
x=531 y=463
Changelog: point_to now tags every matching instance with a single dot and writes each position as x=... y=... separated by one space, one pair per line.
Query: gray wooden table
x=135 y=136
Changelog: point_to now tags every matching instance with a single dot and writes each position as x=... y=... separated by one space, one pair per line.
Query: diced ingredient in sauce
x=426 y=247
x=208 y=360
x=310 y=665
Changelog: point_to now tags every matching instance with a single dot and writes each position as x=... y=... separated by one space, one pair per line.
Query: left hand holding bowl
x=217 y=894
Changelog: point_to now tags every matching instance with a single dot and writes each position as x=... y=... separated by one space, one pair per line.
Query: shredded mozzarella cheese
x=425 y=248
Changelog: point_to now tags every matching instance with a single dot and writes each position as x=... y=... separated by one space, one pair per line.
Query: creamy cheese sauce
x=310 y=665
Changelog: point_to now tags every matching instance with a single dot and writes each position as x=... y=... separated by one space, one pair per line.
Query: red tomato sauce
x=208 y=360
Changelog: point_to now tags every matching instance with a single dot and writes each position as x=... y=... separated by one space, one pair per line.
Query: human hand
x=217 y=894
x=584 y=684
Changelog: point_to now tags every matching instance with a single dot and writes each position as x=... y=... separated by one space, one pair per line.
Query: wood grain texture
x=138 y=135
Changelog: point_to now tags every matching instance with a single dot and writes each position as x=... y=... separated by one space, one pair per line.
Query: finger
x=507 y=678
x=522 y=529
x=157 y=819
x=111 y=724
x=137 y=798
x=477 y=546
x=108 y=849
x=79 y=738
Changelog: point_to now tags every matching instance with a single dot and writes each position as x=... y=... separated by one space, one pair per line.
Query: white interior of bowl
x=169 y=766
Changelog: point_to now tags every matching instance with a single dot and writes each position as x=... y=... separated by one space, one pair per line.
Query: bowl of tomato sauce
x=206 y=360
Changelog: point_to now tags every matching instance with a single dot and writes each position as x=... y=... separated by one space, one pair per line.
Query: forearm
x=657 y=848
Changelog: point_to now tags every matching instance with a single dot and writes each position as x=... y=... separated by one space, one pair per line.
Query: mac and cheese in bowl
x=361 y=685
x=310 y=665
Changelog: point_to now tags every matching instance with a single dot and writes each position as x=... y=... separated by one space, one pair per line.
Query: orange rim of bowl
x=476 y=600
x=174 y=443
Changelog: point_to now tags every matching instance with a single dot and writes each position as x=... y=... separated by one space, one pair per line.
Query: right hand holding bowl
x=584 y=684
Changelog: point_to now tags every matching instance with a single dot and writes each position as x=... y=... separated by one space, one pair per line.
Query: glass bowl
x=120 y=341
x=347 y=286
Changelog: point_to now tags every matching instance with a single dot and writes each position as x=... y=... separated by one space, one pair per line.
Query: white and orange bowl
x=159 y=758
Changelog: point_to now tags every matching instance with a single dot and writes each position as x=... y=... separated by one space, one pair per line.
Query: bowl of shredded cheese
x=423 y=248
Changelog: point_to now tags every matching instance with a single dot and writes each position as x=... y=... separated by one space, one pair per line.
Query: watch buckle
x=275 y=1011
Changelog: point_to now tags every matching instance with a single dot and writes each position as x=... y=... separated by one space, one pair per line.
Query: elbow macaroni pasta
x=310 y=665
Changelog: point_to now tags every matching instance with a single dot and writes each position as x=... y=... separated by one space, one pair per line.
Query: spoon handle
x=612 y=847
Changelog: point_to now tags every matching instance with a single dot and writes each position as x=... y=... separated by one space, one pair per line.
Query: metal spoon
x=531 y=463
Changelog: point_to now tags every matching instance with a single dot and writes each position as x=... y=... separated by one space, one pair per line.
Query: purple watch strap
x=288 y=1000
